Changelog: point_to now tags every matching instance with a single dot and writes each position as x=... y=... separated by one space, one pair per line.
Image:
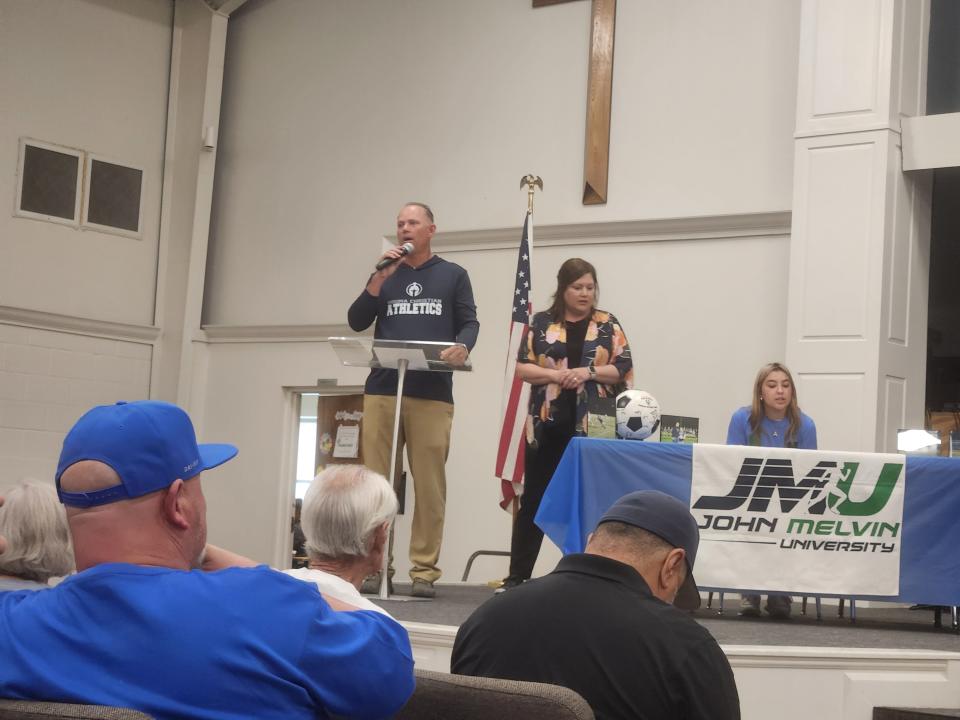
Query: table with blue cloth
x=594 y=473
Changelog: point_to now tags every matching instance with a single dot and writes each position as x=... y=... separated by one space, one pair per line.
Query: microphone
x=405 y=249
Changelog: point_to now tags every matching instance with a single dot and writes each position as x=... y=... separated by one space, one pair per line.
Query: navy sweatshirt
x=430 y=302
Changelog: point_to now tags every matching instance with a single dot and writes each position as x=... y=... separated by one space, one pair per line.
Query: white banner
x=801 y=521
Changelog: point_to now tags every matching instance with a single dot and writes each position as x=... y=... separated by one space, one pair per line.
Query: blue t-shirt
x=238 y=643
x=772 y=432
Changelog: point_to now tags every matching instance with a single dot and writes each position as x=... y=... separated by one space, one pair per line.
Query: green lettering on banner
x=878 y=498
x=881 y=527
x=800 y=525
x=825 y=527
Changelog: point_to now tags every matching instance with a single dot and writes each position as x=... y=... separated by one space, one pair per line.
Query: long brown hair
x=756 y=408
x=571 y=271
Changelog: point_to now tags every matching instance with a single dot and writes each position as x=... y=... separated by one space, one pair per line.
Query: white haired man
x=34 y=524
x=346 y=519
x=141 y=626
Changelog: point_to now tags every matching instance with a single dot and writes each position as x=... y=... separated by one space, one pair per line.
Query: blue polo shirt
x=238 y=643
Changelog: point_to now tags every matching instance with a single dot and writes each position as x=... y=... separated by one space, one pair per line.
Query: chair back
x=40 y=710
x=442 y=696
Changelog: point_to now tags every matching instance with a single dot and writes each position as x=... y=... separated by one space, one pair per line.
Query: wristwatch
x=592 y=370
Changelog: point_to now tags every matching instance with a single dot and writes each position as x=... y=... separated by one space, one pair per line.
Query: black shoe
x=778 y=606
x=749 y=606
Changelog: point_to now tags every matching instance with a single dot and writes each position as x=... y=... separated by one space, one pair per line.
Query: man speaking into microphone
x=416 y=295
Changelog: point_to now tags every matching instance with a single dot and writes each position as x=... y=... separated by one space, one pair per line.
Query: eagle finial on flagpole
x=531 y=181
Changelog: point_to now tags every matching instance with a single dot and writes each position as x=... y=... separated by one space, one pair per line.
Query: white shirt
x=335 y=587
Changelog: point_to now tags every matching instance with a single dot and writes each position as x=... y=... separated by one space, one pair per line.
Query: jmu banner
x=802 y=521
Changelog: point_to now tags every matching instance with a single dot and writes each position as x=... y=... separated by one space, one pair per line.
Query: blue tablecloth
x=593 y=474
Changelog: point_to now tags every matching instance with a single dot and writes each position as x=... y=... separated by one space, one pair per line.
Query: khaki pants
x=425 y=431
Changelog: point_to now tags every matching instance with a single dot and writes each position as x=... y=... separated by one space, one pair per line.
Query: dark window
x=943 y=339
x=943 y=59
x=114 y=196
x=49 y=185
x=943 y=336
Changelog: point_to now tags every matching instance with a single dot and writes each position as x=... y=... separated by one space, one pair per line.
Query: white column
x=193 y=111
x=857 y=299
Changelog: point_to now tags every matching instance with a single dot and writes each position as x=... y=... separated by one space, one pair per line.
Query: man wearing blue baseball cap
x=142 y=626
x=609 y=622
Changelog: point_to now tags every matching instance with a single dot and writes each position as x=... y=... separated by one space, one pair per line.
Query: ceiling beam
x=224 y=7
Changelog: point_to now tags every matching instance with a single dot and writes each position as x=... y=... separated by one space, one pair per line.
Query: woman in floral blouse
x=571 y=352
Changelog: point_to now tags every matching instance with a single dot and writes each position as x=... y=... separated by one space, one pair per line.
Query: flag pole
x=511 y=445
x=531 y=181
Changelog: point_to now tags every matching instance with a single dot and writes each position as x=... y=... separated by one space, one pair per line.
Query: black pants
x=539 y=466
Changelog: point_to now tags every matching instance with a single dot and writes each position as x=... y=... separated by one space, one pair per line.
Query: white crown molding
x=217 y=334
x=56 y=322
x=709 y=227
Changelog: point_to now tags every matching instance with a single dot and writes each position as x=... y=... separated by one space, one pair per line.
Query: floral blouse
x=545 y=344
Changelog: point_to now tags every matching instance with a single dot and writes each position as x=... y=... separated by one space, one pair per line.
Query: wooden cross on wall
x=596 y=152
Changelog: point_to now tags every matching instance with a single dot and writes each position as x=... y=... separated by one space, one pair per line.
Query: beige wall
x=76 y=307
x=335 y=113
x=47 y=380
x=93 y=76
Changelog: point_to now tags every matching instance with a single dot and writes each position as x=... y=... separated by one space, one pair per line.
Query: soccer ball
x=638 y=414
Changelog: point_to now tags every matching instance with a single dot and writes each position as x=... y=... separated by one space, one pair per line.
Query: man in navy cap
x=609 y=623
x=141 y=626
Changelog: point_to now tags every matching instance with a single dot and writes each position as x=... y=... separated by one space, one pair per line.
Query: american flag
x=516 y=393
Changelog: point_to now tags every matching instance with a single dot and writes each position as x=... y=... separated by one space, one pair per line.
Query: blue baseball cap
x=148 y=443
x=667 y=518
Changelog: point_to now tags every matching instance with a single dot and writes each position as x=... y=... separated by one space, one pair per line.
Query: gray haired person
x=611 y=622
x=34 y=525
x=346 y=519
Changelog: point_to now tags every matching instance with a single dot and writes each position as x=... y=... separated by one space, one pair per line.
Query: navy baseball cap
x=667 y=518
x=148 y=443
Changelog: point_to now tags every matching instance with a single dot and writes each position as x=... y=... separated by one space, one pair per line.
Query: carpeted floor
x=876 y=627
